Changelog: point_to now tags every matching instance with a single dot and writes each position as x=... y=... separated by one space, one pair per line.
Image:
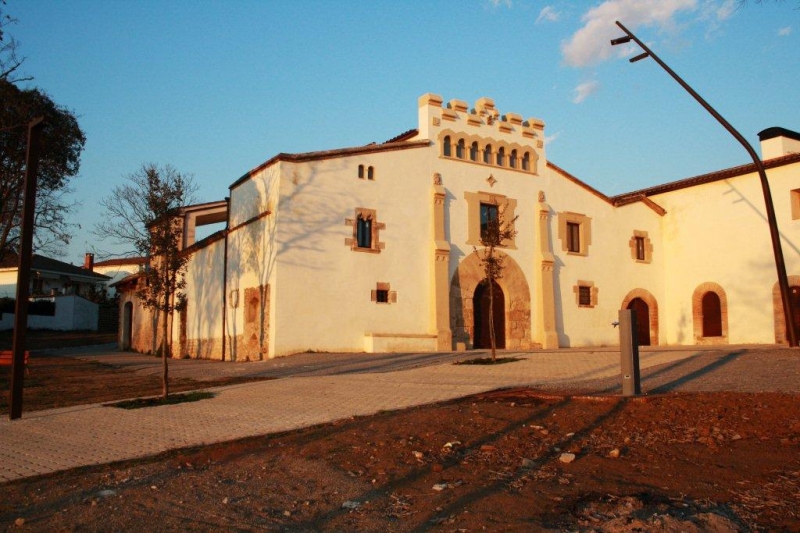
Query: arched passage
x=490 y=310
x=777 y=306
x=646 y=308
x=710 y=314
x=517 y=295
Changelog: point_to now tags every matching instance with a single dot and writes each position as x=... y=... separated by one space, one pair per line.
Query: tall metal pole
x=24 y=272
x=780 y=265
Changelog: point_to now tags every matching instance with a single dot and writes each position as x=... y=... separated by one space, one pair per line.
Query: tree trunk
x=492 y=340
x=165 y=352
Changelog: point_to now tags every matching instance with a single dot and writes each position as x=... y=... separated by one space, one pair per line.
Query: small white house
x=66 y=286
x=372 y=248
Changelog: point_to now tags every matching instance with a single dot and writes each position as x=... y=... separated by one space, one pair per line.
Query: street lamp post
x=783 y=281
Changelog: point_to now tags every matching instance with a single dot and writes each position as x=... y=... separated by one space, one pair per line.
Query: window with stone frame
x=366 y=231
x=489 y=214
x=585 y=293
x=575 y=233
x=383 y=294
x=476 y=212
x=641 y=247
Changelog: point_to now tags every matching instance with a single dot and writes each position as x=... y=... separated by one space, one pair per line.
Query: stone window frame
x=795 y=201
x=648 y=247
x=375 y=228
x=506 y=205
x=593 y=291
x=391 y=296
x=585 y=231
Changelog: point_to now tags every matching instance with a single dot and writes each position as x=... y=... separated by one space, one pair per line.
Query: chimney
x=778 y=142
x=88 y=262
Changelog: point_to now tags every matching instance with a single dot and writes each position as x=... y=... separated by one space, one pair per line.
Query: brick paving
x=321 y=388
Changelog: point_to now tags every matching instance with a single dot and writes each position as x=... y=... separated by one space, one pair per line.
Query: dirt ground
x=505 y=461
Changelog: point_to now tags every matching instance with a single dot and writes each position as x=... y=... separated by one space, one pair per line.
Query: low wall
x=72 y=313
x=398 y=342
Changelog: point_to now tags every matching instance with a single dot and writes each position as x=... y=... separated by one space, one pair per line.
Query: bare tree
x=145 y=214
x=495 y=231
x=10 y=62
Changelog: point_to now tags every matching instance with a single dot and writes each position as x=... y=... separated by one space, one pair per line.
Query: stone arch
x=517 y=302
x=777 y=309
x=697 y=313
x=650 y=300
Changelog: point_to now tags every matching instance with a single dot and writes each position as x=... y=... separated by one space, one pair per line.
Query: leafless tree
x=10 y=61
x=144 y=213
x=495 y=231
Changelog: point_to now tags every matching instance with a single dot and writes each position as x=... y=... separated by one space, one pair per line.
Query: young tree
x=145 y=213
x=62 y=144
x=495 y=231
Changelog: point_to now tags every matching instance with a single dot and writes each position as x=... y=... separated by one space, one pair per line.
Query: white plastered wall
x=718 y=232
x=204 y=294
x=251 y=250
x=323 y=288
x=608 y=263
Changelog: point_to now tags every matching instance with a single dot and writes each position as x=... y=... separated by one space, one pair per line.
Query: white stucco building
x=372 y=249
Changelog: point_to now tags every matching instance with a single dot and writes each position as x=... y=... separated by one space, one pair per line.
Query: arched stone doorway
x=777 y=305
x=485 y=315
x=645 y=307
x=710 y=314
x=127 y=325
x=517 y=294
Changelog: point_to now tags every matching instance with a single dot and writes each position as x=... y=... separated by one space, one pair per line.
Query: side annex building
x=372 y=249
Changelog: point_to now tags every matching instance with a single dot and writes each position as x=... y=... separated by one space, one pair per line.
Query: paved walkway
x=314 y=390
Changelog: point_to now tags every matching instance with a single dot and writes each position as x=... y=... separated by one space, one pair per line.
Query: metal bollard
x=629 y=353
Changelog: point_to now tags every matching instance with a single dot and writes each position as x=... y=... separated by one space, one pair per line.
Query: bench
x=7 y=356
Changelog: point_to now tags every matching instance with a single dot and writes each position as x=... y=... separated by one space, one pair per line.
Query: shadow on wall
x=310 y=220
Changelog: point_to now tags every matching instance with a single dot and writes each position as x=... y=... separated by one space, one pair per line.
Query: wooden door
x=642 y=312
x=712 y=315
x=480 y=306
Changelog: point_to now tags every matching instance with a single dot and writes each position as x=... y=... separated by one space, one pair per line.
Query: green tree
x=495 y=232
x=62 y=144
x=145 y=213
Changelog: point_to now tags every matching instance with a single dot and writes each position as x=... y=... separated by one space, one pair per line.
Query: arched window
x=526 y=161
x=487 y=154
x=512 y=159
x=364 y=232
x=460 y=149
x=361 y=172
x=446 y=149
x=712 y=315
x=501 y=157
x=473 y=151
x=370 y=173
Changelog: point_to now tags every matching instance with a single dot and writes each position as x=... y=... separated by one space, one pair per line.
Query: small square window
x=585 y=293
x=584 y=296
x=383 y=294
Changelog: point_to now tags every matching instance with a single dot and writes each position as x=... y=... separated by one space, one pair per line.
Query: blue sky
x=215 y=88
